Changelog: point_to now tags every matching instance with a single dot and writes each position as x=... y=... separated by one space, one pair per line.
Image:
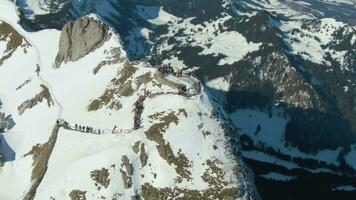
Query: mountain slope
x=99 y=90
x=281 y=73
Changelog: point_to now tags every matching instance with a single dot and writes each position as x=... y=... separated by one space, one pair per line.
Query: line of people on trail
x=76 y=127
x=138 y=108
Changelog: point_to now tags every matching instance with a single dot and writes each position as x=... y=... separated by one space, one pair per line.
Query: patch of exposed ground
x=126 y=163
x=143 y=79
x=157 y=84
x=213 y=176
x=117 y=87
x=127 y=90
x=23 y=84
x=127 y=72
x=126 y=179
x=206 y=133
x=182 y=111
x=155 y=133
x=13 y=40
x=107 y=99
x=157 y=115
x=150 y=192
x=40 y=154
x=77 y=195
x=143 y=155
x=227 y=128
x=101 y=177
x=39 y=98
x=127 y=173
x=38 y=69
x=114 y=58
x=136 y=146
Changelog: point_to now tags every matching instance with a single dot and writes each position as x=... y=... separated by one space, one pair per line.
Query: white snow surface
x=221 y=84
x=263 y=157
x=37 y=6
x=309 y=43
x=348 y=188
x=232 y=45
x=30 y=8
x=277 y=176
x=272 y=134
x=350 y=158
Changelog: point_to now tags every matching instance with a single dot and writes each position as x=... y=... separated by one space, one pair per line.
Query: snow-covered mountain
x=278 y=82
x=183 y=147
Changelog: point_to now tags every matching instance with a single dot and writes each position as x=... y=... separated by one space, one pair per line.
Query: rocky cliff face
x=80 y=37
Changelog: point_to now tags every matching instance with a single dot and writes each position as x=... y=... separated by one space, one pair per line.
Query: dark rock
x=80 y=37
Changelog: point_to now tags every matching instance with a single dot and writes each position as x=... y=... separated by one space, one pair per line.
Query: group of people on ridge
x=182 y=89
x=166 y=69
x=84 y=129
x=138 y=108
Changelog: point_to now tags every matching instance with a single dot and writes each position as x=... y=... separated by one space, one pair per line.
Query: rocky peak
x=80 y=37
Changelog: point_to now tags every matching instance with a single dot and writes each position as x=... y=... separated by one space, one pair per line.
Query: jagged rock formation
x=143 y=156
x=80 y=37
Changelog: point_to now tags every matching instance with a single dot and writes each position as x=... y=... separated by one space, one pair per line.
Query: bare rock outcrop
x=143 y=156
x=12 y=39
x=44 y=95
x=77 y=195
x=126 y=162
x=80 y=37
